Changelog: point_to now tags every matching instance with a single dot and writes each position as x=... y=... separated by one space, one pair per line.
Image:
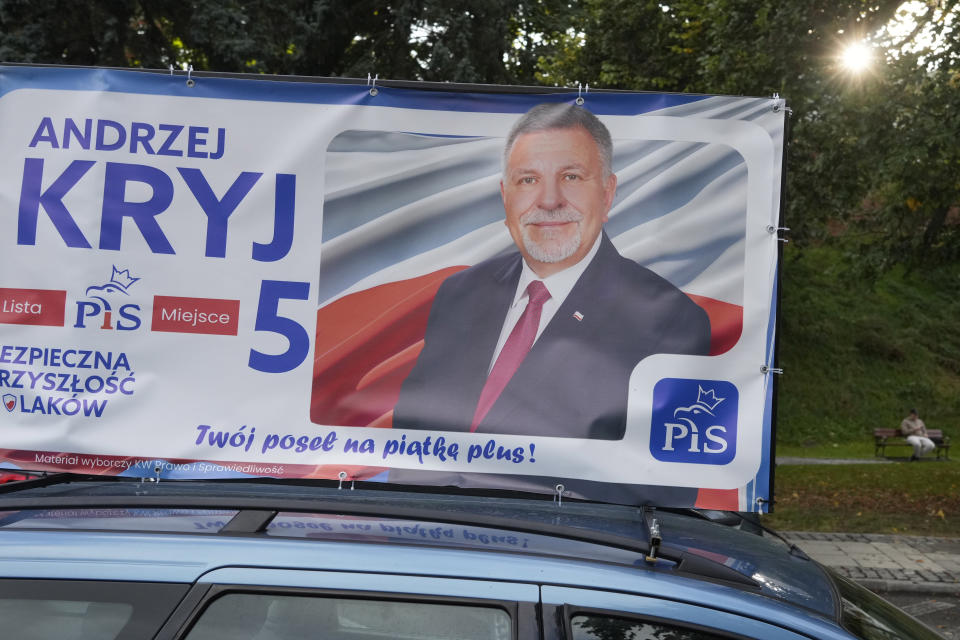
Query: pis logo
x=99 y=310
x=694 y=421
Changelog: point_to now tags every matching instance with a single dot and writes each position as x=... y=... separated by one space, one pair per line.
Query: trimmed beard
x=553 y=246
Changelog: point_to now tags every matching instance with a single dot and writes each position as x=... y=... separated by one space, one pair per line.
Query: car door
x=281 y=604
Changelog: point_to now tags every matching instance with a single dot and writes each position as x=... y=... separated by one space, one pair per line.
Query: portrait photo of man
x=541 y=341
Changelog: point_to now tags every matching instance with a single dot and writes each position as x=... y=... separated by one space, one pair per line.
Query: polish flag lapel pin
x=578 y=316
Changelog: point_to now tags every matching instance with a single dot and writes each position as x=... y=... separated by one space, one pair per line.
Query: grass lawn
x=920 y=498
x=857 y=449
x=859 y=355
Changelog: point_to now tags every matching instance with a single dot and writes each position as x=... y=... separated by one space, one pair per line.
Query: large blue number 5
x=268 y=319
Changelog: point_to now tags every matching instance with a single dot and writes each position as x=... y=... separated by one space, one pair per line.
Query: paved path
x=785 y=460
x=798 y=460
x=885 y=563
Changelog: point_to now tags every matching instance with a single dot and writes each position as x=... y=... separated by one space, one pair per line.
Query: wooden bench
x=884 y=438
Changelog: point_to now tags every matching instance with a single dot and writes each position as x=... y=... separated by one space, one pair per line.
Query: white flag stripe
x=680 y=207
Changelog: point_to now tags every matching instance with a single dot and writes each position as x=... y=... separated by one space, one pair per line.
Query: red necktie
x=514 y=351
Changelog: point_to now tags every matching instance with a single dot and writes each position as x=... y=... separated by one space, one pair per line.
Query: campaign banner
x=534 y=291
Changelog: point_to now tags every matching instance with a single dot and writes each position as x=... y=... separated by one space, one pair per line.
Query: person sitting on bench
x=913 y=429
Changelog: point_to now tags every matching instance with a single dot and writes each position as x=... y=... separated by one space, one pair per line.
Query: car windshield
x=868 y=616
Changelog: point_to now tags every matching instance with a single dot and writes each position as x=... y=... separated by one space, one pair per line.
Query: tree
x=739 y=47
x=497 y=41
x=910 y=122
x=115 y=33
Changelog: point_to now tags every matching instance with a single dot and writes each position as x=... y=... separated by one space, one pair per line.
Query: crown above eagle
x=708 y=399
x=122 y=279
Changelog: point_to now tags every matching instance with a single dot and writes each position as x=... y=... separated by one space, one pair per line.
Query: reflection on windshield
x=870 y=617
x=601 y=627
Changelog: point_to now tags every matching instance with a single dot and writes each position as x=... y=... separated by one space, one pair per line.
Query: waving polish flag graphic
x=404 y=211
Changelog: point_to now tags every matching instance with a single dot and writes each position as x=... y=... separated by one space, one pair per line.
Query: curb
x=918 y=580
x=902 y=586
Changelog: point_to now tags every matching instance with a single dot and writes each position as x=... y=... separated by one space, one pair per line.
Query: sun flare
x=856 y=57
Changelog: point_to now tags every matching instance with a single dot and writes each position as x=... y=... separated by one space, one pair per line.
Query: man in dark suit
x=543 y=341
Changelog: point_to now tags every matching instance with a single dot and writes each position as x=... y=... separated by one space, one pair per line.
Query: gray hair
x=547 y=116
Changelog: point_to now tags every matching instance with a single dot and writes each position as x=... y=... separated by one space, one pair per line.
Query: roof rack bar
x=256 y=514
x=249 y=521
x=340 y=507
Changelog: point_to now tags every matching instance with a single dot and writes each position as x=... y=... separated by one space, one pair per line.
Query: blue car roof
x=224 y=520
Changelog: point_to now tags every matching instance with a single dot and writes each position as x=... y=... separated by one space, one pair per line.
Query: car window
x=240 y=616
x=52 y=618
x=602 y=627
x=84 y=610
x=595 y=614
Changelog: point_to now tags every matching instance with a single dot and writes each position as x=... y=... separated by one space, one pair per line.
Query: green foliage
x=115 y=33
x=859 y=354
x=484 y=42
x=912 y=212
x=743 y=47
x=621 y=44
x=498 y=41
x=873 y=157
x=897 y=151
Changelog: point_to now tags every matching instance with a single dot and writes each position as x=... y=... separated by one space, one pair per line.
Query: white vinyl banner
x=242 y=277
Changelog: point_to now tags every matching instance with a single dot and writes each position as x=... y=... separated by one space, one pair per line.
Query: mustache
x=538 y=216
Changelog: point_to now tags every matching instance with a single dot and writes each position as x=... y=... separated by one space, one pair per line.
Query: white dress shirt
x=559 y=285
